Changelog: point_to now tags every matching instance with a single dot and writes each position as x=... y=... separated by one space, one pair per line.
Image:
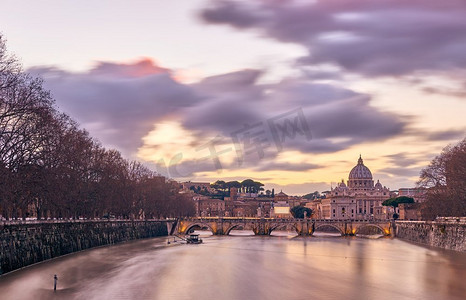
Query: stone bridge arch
x=285 y=226
x=234 y=226
x=385 y=231
x=199 y=224
x=317 y=226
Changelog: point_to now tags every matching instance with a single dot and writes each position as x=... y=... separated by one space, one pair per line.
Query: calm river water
x=247 y=267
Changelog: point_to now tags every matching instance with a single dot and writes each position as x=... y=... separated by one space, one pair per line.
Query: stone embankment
x=26 y=243
x=447 y=233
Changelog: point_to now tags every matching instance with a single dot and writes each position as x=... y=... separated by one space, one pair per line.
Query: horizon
x=227 y=90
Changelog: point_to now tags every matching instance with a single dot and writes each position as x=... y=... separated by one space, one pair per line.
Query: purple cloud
x=118 y=103
x=385 y=37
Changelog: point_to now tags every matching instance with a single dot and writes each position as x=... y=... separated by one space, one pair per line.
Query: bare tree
x=445 y=180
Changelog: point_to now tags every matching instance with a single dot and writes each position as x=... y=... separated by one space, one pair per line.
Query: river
x=247 y=267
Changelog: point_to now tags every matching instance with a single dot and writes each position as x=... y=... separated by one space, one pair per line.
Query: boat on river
x=193 y=239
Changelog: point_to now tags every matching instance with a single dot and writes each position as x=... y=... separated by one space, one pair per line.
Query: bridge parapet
x=265 y=226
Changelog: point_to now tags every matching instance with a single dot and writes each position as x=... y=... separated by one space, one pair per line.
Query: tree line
x=245 y=186
x=50 y=166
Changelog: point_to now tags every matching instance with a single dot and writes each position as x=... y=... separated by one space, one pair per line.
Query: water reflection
x=284 y=266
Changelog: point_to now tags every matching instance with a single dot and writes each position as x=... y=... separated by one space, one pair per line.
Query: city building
x=410 y=211
x=359 y=198
x=281 y=197
x=282 y=212
x=418 y=194
x=208 y=207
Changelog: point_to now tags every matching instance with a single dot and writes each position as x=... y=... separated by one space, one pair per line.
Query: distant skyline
x=162 y=81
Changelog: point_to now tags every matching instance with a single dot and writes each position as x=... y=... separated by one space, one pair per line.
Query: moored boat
x=193 y=239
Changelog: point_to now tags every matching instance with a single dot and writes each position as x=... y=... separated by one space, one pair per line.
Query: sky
x=286 y=92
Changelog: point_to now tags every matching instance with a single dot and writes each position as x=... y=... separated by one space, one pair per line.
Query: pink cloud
x=140 y=68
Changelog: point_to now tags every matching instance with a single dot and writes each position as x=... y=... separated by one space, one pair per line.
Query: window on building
x=334 y=210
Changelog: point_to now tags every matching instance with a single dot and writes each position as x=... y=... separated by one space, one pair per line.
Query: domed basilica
x=358 y=199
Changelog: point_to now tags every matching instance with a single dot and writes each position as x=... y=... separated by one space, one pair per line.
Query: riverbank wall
x=26 y=243
x=449 y=235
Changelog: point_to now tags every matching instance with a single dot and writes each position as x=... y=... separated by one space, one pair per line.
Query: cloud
x=432 y=135
x=140 y=68
x=237 y=105
x=118 y=102
x=337 y=117
x=458 y=93
x=374 y=38
x=446 y=135
x=130 y=106
x=402 y=171
x=404 y=159
x=299 y=188
x=285 y=166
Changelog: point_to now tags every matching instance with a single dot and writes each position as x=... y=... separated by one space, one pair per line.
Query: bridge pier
x=392 y=228
x=305 y=228
x=349 y=230
x=217 y=227
x=262 y=228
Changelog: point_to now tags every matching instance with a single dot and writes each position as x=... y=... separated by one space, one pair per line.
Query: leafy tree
x=396 y=201
x=219 y=186
x=232 y=184
x=312 y=196
x=247 y=185
x=298 y=212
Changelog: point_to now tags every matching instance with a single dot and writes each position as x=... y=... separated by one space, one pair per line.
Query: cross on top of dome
x=360 y=171
x=360 y=162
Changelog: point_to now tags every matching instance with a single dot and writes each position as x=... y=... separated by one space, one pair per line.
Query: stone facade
x=25 y=244
x=410 y=211
x=208 y=207
x=359 y=198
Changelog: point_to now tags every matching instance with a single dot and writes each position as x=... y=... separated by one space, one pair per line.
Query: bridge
x=265 y=226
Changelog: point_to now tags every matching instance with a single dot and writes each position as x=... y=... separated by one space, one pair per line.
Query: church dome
x=378 y=185
x=360 y=171
x=282 y=194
